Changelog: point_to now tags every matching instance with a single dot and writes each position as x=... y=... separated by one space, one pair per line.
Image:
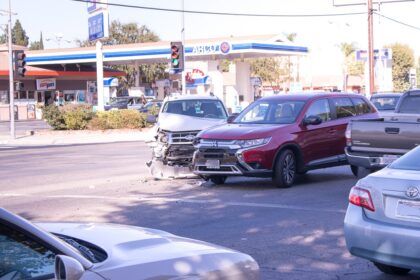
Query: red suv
x=280 y=136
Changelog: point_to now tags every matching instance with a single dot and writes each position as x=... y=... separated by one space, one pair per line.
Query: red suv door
x=317 y=140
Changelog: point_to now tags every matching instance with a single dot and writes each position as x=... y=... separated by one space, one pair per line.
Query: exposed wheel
x=389 y=269
x=218 y=180
x=285 y=169
x=354 y=170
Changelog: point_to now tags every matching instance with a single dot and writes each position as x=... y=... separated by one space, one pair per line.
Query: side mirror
x=312 y=120
x=232 y=117
x=151 y=119
x=67 y=268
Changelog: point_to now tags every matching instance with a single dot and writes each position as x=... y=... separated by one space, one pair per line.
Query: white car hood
x=175 y=122
x=142 y=253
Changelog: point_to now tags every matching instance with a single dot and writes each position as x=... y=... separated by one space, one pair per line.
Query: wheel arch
x=297 y=152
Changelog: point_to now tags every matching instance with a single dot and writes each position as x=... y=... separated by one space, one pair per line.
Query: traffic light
x=19 y=58
x=177 y=56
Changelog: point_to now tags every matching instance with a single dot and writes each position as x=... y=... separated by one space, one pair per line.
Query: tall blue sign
x=98 y=26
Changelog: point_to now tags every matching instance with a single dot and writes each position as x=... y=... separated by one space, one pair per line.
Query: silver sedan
x=69 y=251
x=382 y=222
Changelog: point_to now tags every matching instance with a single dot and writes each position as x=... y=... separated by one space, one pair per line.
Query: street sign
x=98 y=26
x=93 y=5
x=383 y=54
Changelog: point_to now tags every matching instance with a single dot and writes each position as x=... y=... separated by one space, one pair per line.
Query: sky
x=320 y=34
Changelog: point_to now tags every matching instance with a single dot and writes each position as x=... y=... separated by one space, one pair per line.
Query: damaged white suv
x=180 y=119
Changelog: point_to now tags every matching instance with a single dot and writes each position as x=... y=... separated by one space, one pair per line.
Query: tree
x=130 y=33
x=37 y=45
x=18 y=35
x=402 y=62
x=350 y=65
x=267 y=69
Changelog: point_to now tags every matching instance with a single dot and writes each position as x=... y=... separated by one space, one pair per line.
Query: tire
x=393 y=270
x=285 y=170
x=218 y=180
x=354 y=170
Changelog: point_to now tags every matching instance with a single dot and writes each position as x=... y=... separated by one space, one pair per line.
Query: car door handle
x=392 y=130
x=331 y=131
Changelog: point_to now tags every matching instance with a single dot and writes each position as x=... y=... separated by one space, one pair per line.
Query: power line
x=397 y=21
x=221 y=13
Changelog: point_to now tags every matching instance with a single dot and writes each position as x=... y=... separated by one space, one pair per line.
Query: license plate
x=213 y=164
x=408 y=209
x=387 y=159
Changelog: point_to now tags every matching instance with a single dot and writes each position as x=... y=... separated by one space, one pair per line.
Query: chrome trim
x=235 y=170
x=379 y=150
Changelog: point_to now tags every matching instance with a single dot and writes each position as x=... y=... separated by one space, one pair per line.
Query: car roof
x=191 y=97
x=386 y=94
x=309 y=95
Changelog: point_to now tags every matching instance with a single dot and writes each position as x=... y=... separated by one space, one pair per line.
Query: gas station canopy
x=158 y=52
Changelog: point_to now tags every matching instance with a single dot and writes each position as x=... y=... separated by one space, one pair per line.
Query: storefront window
x=16 y=95
x=4 y=97
x=23 y=95
x=31 y=95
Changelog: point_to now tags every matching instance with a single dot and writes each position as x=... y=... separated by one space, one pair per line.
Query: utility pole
x=371 y=57
x=11 y=82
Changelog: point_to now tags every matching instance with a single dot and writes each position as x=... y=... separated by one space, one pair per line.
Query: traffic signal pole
x=183 y=82
x=11 y=82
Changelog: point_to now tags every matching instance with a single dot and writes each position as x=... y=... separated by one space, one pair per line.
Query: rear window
x=410 y=105
x=361 y=106
x=344 y=107
x=385 y=103
x=410 y=161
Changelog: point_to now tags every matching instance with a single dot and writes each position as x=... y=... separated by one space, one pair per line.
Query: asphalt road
x=294 y=233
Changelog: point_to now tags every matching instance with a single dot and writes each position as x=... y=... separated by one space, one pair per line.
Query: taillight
x=348 y=134
x=361 y=197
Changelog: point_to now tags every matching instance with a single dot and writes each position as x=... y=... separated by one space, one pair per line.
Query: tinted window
x=410 y=105
x=344 y=107
x=212 y=109
x=23 y=258
x=387 y=103
x=410 y=161
x=361 y=106
x=320 y=108
x=274 y=112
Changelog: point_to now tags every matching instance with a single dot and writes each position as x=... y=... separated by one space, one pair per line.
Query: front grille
x=184 y=137
x=180 y=151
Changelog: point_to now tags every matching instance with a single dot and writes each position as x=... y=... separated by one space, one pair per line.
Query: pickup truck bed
x=375 y=143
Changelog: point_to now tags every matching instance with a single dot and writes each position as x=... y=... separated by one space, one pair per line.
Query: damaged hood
x=175 y=122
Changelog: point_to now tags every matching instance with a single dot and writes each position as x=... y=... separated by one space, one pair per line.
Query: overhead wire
x=397 y=21
x=221 y=13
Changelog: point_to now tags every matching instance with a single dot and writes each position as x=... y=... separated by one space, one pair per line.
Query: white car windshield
x=271 y=112
x=410 y=161
x=212 y=109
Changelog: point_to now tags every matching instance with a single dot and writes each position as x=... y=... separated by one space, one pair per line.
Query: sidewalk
x=52 y=137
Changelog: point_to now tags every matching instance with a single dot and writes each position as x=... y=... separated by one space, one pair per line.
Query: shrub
x=54 y=117
x=70 y=116
x=76 y=116
x=118 y=119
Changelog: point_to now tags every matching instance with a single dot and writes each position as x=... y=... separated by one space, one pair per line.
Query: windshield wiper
x=85 y=251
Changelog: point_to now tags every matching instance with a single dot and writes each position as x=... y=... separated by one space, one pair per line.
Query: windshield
x=387 y=103
x=410 y=161
x=212 y=109
x=271 y=112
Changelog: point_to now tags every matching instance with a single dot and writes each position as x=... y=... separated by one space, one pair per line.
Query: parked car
x=71 y=251
x=382 y=222
x=122 y=102
x=149 y=105
x=180 y=119
x=373 y=144
x=385 y=103
x=280 y=136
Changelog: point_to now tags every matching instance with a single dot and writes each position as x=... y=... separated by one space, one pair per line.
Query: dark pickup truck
x=375 y=143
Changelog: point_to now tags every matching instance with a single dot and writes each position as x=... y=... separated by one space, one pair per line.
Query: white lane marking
x=178 y=200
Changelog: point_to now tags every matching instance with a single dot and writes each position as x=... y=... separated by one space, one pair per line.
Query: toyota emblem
x=412 y=192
